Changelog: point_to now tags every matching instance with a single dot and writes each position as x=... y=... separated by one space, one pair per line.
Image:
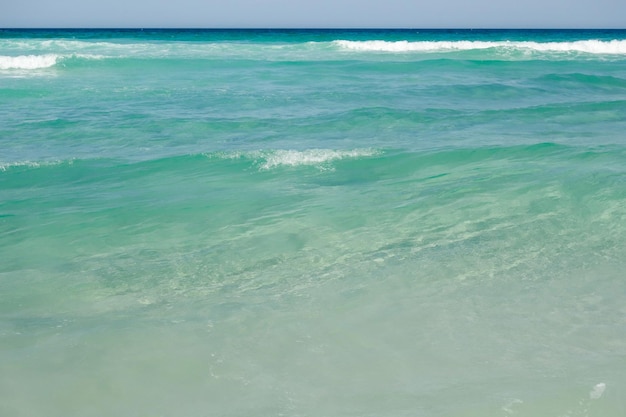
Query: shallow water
x=312 y=223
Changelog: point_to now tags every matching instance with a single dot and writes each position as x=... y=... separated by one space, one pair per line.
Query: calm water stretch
x=312 y=223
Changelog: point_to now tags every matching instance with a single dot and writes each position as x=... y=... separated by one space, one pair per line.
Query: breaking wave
x=6 y=166
x=583 y=46
x=28 y=61
x=34 y=62
x=320 y=158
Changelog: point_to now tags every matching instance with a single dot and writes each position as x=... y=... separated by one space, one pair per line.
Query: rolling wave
x=261 y=159
x=37 y=54
x=264 y=160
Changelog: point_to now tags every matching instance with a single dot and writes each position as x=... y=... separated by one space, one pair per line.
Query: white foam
x=597 y=391
x=406 y=46
x=268 y=159
x=149 y=50
x=5 y=166
x=585 y=46
x=316 y=157
x=28 y=61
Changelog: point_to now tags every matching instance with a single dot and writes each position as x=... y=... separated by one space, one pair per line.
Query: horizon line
x=139 y=28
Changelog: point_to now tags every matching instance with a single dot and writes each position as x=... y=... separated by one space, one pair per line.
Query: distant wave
x=32 y=62
x=584 y=46
x=28 y=61
x=38 y=54
x=151 y=50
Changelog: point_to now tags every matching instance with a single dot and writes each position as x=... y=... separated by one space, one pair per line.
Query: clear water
x=312 y=223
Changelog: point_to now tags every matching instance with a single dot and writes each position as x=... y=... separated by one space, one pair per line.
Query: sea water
x=312 y=223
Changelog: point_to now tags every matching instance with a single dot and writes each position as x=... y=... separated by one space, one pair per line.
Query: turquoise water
x=312 y=223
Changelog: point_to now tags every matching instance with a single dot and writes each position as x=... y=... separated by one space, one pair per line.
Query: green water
x=312 y=223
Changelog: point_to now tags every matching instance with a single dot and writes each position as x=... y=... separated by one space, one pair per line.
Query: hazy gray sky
x=314 y=13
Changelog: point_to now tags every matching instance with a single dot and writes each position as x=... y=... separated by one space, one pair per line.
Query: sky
x=314 y=13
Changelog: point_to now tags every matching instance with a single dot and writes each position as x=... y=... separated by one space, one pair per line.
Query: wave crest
x=317 y=157
x=6 y=166
x=617 y=47
x=28 y=61
x=320 y=158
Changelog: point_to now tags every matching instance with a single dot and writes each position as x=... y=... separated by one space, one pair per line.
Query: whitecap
x=406 y=46
x=585 y=46
x=269 y=159
x=5 y=166
x=28 y=61
x=315 y=157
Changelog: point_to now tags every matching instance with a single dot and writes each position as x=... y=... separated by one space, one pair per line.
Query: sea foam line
x=585 y=46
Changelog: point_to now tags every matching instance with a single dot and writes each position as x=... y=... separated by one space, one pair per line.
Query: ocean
x=332 y=223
